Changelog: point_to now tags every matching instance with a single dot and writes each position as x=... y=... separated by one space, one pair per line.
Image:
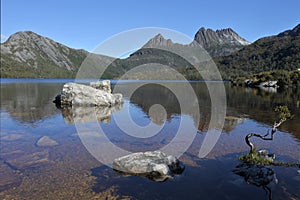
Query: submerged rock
x=8 y=178
x=35 y=159
x=84 y=95
x=154 y=165
x=11 y=137
x=46 y=141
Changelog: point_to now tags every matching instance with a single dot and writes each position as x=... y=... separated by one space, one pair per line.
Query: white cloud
x=3 y=37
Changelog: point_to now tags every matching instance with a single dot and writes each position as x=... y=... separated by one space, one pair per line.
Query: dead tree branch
x=284 y=114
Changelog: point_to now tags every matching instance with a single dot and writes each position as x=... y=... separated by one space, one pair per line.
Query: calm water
x=67 y=170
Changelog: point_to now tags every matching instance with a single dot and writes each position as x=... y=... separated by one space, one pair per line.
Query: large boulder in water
x=154 y=165
x=83 y=95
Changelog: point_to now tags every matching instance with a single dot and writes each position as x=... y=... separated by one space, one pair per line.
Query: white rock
x=162 y=169
x=83 y=95
x=154 y=165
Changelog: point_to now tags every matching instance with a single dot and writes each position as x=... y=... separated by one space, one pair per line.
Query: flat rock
x=154 y=165
x=11 y=154
x=29 y=160
x=46 y=141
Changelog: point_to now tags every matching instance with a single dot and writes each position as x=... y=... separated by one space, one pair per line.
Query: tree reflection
x=258 y=175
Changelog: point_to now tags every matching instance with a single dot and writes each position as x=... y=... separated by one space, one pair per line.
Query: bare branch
x=284 y=115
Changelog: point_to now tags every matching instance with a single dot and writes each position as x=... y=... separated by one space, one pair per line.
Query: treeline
x=285 y=78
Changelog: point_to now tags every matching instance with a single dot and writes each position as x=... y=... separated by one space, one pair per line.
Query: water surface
x=68 y=170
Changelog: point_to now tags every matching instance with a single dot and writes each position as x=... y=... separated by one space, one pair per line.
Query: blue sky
x=85 y=24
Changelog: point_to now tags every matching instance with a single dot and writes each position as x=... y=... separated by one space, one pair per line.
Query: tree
x=262 y=156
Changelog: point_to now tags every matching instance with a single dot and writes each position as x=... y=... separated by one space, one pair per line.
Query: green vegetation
x=254 y=157
x=283 y=113
x=284 y=78
x=281 y=52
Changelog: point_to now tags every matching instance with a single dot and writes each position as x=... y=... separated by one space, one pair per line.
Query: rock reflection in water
x=80 y=114
x=258 y=175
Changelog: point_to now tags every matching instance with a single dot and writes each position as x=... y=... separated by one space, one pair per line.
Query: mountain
x=27 y=54
x=157 y=53
x=159 y=40
x=163 y=51
x=279 y=52
x=158 y=50
x=216 y=43
x=220 y=42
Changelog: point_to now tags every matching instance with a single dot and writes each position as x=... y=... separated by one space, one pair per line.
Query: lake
x=65 y=164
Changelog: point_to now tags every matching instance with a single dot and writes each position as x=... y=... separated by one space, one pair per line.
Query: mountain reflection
x=151 y=94
x=29 y=102
x=242 y=103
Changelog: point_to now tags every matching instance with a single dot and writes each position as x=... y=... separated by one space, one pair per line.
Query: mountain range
x=216 y=43
x=27 y=54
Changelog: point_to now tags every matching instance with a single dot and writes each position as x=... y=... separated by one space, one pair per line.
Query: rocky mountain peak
x=21 y=35
x=31 y=39
x=209 y=37
x=216 y=43
x=33 y=50
x=159 y=40
x=220 y=42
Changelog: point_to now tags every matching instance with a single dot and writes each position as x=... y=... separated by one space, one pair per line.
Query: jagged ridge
x=220 y=42
x=216 y=43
